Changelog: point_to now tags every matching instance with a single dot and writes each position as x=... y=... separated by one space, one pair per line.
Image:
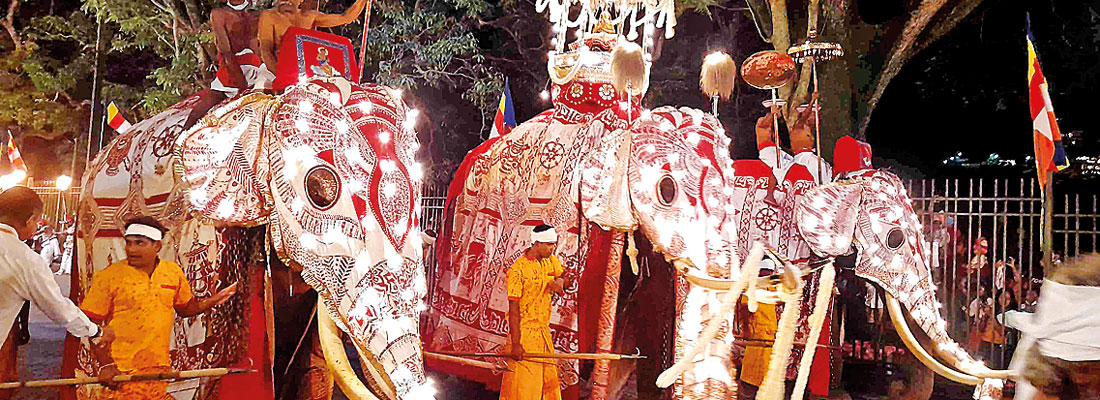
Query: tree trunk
x=9 y=23
x=838 y=91
x=900 y=55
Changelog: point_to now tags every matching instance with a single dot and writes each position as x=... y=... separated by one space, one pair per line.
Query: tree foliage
x=451 y=56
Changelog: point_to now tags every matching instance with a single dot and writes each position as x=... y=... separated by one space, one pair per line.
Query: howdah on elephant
x=321 y=178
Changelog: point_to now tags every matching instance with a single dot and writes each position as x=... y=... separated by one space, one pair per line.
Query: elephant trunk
x=337 y=359
x=385 y=373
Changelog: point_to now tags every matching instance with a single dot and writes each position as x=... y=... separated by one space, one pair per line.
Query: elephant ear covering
x=827 y=217
x=220 y=158
x=604 y=194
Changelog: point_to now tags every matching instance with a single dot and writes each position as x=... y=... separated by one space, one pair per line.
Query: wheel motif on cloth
x=551 y=154
x=162 y=144
x=607 y=92
x=766 y=219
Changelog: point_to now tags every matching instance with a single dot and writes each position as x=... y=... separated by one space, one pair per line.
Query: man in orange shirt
x=139 y=298
x=531 y=281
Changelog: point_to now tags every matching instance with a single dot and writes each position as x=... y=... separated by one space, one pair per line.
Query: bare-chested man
x=275 y=21
x=239 y=67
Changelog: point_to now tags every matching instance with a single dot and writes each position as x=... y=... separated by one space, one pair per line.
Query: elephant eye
x=322 y=187
x=666 y=188
x=895 y=238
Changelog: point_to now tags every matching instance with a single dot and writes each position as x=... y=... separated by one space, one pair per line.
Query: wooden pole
x=461 y=360
x=363 y=45
x=606 y=326
x=199 y=373
x=1048 y=224
x=556 y=356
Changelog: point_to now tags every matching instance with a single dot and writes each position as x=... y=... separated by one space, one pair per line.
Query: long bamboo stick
x=567 y=356
x=198 y=373
x=459 y=360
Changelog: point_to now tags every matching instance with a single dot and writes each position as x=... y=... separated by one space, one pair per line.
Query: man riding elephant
x=274 y=23
x=239 y=65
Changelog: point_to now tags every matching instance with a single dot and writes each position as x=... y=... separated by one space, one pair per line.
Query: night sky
x=968 y=92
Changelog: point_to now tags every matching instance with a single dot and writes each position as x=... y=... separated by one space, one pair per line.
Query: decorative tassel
x=772 y=388
x=718 y=75
x=628 y=68
x=632 y=252
x=817 y=320
x=749 y=273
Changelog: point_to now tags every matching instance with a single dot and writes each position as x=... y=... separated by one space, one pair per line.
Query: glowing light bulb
x=308 y=241
x=544 y=95
x=341 y=126
x=63 y=182
x=225 y=208
x=198 y=197
x=296 y=205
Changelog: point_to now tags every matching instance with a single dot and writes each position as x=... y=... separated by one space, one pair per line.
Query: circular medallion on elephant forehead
x=322 y=187
x=766 y=218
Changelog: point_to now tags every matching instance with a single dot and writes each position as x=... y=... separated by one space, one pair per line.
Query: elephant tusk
x=925 y=358
x=685 y=267
x=984 y=373
x=333 y=348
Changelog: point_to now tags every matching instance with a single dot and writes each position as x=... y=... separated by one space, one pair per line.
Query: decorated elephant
x=873 y=214
x=322 y=179
x=606 y=174
x=868 y=214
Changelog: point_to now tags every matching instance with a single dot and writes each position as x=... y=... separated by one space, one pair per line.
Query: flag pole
x=363 y=45
x=1048 y=224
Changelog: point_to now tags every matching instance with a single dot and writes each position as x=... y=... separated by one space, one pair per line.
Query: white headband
x=547 y=236
x=144 y=230
x=237 y=7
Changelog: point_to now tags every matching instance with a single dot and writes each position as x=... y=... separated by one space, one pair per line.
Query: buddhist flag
x=14 y=158
x=1049 y=155
x=506 y=115
x=116 y=120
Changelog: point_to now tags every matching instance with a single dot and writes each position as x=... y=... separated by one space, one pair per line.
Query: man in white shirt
x=51 y=249
x=24 y=276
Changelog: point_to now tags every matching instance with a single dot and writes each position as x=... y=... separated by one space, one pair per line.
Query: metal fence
x=56 y=204
x=431 y=221
x=986 y=237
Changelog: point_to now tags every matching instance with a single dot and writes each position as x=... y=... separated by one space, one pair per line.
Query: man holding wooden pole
x=139 y=298
x=532 y=279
